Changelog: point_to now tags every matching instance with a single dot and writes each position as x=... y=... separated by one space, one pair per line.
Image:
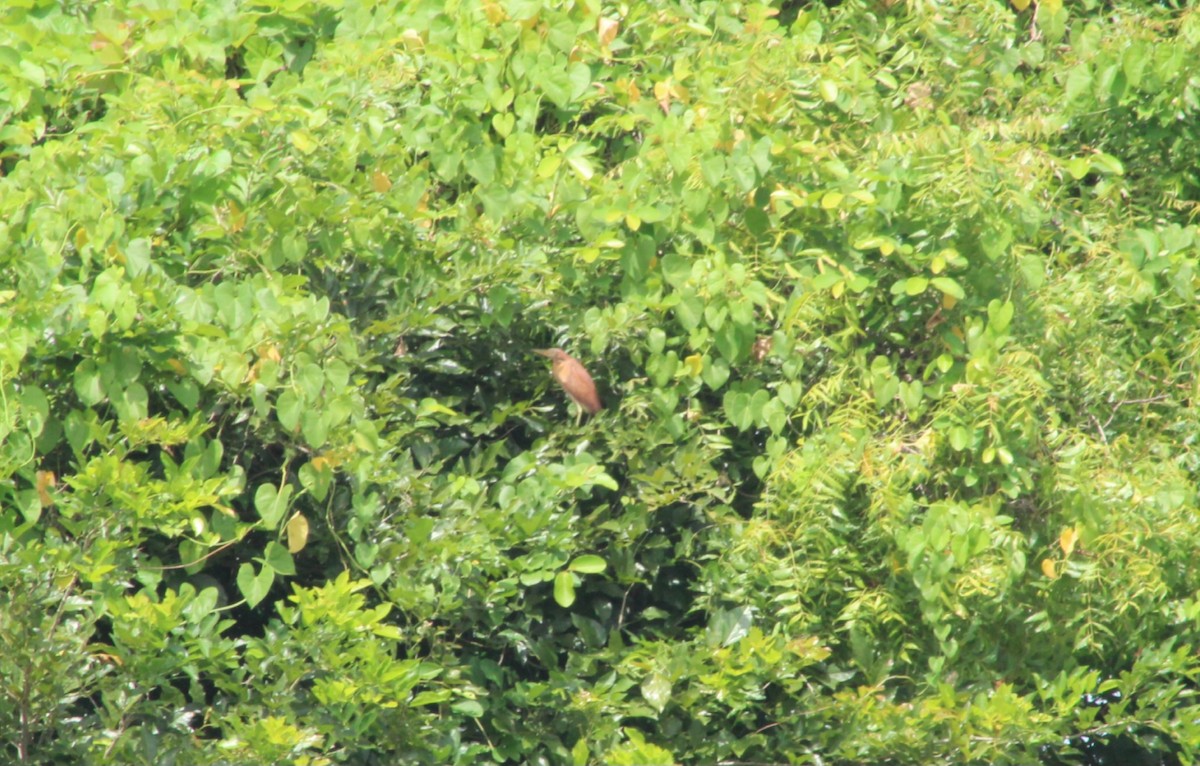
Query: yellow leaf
x=1048 y=569
x=380 y=182
x=45 y=483
x=1020 y=5
x=607 y=29
x=297 y=533
x=495 y=13
x=662 y=94
x=269 y=351
x=1067 y=540
x=695 y=363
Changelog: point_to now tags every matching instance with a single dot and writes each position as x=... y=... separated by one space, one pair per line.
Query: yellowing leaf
x=1020 y=5
x=1067 y=540
x=1048 y=569
x=269 y=351
x=297 y=533
x=380 y=182
x=495 y=13
x=607 y=30
x=662 y=94
x=695 y=363
x=45 y=482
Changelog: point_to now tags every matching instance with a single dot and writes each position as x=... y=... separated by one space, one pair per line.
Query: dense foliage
x=893 y=305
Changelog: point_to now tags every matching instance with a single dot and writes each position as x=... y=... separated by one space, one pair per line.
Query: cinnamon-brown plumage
x=574 y=379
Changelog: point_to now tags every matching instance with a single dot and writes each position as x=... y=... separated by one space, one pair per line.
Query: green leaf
x=676 y=269
x=1106 y=163
x=715 y=372
x=1000 y=314
x=503 y=123
x=304 y=141
x=580 y=753
x=734 y=341
x=915 y=285
x=132 y=403
x=279 y=560
x=737 y=409
x=137 y=256
x=960 y=438
x=254 y=587
x=656 y=690
x=948 y=287
x=564 y=589
x=656 y=340
x=588 y=564
x=87 y=383
x=728 y=626
x=1078 y=167
x=690 y=311
x=272 y=503
x=1078 y=82
x=289 y=408
x=315 y=427
x=469 y=708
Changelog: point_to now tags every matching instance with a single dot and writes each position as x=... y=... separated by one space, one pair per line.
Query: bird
x=574 y=379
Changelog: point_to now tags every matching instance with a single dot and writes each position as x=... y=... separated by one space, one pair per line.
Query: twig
x=1123 y=402
x=208 y=555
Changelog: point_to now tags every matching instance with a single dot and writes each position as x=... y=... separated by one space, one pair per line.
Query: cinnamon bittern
x=574 y=379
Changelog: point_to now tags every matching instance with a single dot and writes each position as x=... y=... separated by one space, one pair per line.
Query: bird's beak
x=542 y=351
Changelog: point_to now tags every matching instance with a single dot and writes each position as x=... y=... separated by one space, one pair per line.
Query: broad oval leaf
x=588 y=564
x=564 y=588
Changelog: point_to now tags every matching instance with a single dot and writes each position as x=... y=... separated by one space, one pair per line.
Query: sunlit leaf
x=1067 y=540
x=564 y=589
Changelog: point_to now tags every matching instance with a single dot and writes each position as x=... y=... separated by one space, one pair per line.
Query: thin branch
x=1118 y=405
x=205 y=557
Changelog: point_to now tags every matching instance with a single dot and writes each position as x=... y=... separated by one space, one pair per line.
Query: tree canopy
x=892 y=306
